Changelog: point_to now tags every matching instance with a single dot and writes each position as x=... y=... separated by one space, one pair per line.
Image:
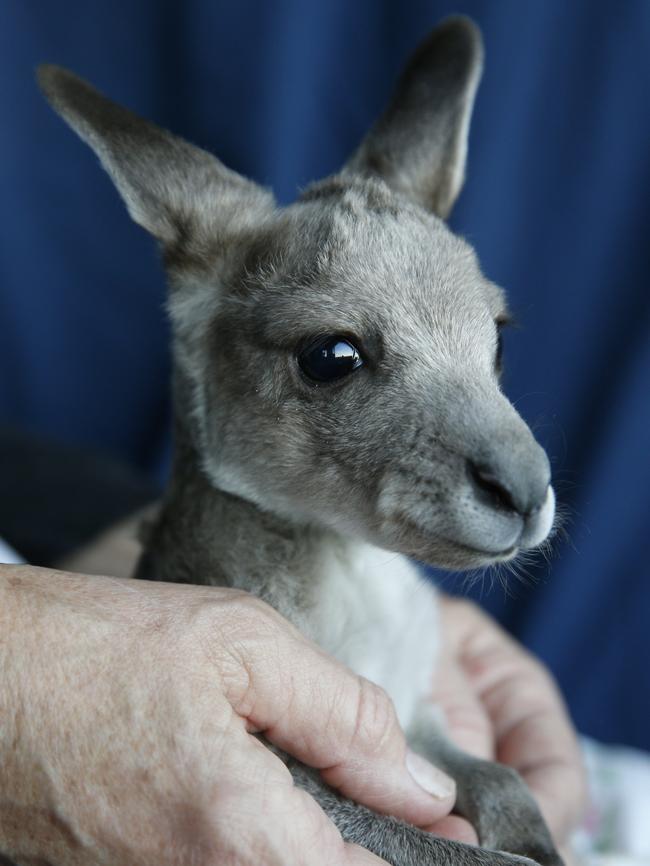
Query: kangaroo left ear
x=419 y=144
x=171 y=188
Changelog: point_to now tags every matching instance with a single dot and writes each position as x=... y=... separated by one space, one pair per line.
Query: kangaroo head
x=337 y=361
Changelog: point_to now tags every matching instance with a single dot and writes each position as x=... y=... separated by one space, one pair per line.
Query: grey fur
x=291 y=490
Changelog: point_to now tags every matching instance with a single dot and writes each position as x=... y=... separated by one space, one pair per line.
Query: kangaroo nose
x=508 y=491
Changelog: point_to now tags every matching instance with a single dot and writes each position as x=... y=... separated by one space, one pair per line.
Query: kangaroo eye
x=329 y=358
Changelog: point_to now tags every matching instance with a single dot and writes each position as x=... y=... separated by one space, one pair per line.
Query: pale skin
x=129 y=710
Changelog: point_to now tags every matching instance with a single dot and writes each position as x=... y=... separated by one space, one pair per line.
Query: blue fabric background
x=557 y=204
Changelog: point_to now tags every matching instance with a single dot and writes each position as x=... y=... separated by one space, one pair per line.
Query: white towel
x=616 y=829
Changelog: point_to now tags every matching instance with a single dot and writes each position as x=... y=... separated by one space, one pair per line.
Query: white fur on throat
x=374 y=612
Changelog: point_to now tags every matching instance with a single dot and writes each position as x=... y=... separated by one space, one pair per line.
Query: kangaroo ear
x=419 y=144
x=170 y=186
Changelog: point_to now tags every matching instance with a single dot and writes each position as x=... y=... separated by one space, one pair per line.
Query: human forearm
x=28 y=812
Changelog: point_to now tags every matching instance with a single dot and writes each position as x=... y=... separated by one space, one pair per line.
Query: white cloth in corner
x=616 y=829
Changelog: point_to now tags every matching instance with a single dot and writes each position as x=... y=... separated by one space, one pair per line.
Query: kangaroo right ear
x=419 y=144
x=171 y=188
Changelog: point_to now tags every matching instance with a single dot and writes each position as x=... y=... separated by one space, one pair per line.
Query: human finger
x=456 y=828
x=530 y=724
x=467 y=721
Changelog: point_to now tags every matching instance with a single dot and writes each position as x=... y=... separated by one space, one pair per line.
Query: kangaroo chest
x=375 y=613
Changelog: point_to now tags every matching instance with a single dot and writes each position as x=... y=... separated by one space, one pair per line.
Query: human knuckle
x=251 y=606
x=226 y=627
x=227 y=615
x=376 y=718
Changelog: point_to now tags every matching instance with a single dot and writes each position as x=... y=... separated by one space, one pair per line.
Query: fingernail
x=434 y=781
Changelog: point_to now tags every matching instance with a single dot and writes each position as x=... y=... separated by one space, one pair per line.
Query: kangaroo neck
x=206 y=535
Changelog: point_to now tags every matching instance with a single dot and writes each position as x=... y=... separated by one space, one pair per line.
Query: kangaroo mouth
x=498 y=555
x=445 y=551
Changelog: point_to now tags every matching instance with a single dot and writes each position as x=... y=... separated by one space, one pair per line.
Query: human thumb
x=323 y=714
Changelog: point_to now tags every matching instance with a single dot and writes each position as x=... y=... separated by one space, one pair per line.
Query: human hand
x=502 y=704
x=128 y=710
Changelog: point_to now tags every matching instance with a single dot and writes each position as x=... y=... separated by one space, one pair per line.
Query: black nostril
x=490 y=488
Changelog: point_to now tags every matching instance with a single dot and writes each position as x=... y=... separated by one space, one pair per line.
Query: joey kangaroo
x=338 y=409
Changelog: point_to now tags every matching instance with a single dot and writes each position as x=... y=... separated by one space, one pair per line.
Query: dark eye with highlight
x=330 y=358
